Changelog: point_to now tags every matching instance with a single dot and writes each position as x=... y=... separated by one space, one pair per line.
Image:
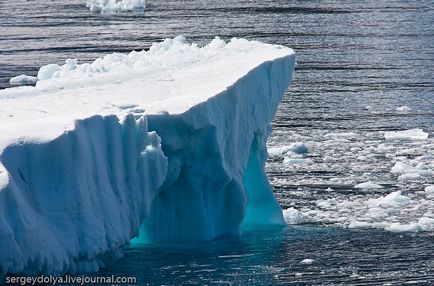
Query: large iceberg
x=169 y=141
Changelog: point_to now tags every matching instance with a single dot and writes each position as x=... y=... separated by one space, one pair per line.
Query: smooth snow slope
x=81 y=164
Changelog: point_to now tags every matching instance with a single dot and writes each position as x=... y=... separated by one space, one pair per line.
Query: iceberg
x=162 y=145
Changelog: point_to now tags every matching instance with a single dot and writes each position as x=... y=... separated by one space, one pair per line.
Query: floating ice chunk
x=426 y=223
x=293 y=216
x=409 y=172
x=108 y=6
x=47 y=72
x=366 y=224
x=95 y=8
x=297 y=148
x=23 y=80
x=401 y=168
x=395 y=199
x=297 y=161
x=307 y=261
x=343 y=134
x=429 y=190
x=411 y=134
x=368 y=185
x=403 y=109
x=328 y=159
x=397 y=227
x=409 y=177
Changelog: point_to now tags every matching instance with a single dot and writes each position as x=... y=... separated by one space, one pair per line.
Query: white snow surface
x=172 y=139
x=111 y=6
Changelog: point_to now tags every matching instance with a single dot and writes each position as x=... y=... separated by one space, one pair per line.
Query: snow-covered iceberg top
x=171 y=141
x=170 y=78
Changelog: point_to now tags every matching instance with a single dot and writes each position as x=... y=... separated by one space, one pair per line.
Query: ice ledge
x=77 y=182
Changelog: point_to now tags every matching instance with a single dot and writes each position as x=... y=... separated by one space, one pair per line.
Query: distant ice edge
x=203 y=180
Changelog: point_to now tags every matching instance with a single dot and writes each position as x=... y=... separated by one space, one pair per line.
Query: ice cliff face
x=172 y=140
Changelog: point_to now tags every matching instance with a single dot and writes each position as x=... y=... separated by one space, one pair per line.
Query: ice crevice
x=86 y=177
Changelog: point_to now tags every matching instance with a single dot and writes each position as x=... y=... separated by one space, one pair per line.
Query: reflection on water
x=280 y=257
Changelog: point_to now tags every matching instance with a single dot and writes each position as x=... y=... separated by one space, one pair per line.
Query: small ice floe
x=307 y=261
x=329 y=159
x=397 y=227
x=429 y=191
x=367 y=224
x=110 y=6
x=409 y=177
x=368 y=185
x=403 y=168
x=403 y=109
x=411 y=173
x=23 y=80
x=47 y=71
x=293 y=216
x=411 y=134
x=297 y=161
x=296 y=148
x=392 y=200
x=341 y=135
x=424 y=224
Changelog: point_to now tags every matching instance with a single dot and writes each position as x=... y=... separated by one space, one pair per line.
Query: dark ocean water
x=358 y=61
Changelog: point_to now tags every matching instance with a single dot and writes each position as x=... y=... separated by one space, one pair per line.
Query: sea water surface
x=364 y=68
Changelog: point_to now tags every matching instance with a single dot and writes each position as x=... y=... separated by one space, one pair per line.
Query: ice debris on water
x=411 y=134
x=111 y=6
x=307 y=261
x=368 y=185
x=403 y=109
x=23 y=80
x=396 y=171
x=293 y=216
x=295 y=148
